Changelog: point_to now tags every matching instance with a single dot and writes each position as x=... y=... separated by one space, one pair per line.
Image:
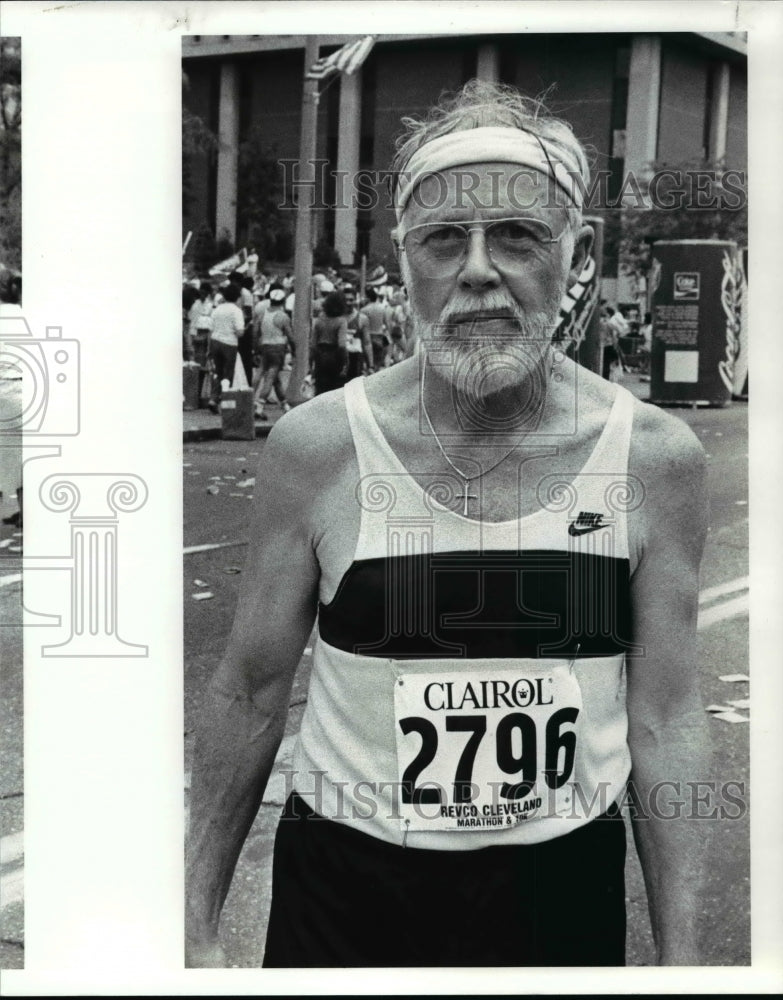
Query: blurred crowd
x=245 y=318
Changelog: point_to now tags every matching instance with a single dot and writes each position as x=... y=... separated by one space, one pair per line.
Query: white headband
x=496 y=144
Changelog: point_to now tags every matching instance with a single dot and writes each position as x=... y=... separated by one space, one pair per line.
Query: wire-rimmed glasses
x=438 y=249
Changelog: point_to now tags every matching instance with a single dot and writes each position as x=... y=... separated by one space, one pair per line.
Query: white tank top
x=468 y=683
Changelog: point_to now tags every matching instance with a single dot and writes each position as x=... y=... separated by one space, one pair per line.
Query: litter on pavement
x=248 y=482
x=731 y=717
x=200 y=583
x=734 y=678
x=213 y=490
x=6 y=542
x=232 y=569
x=718 y=708
x=203 y=595
x=741 y=703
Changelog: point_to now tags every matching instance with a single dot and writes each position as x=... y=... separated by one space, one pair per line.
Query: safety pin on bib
x=573 y=658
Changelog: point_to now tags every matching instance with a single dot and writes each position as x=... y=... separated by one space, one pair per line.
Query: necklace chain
x=466 y=479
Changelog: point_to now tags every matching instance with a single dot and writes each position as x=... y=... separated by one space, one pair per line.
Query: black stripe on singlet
x=472 y=604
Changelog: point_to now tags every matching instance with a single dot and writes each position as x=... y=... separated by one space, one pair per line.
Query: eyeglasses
x=438 y=249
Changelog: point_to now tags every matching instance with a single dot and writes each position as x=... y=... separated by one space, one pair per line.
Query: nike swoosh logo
x=573 y=530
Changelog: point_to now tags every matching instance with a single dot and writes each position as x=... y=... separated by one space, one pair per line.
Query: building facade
x=633 y=99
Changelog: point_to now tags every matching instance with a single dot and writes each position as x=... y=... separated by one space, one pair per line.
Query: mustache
x=463 y=307
x=459 y=323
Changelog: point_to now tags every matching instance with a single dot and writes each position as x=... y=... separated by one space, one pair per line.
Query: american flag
x=345 y=60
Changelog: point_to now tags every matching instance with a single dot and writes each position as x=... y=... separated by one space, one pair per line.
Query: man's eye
x=444 y=236
x=519 y=232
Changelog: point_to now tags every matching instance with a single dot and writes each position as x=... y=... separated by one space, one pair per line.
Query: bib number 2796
x=481 y=754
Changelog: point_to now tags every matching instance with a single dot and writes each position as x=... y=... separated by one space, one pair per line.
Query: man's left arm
x=667 y=729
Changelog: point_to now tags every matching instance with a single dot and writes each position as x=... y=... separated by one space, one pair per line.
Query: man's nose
x=478 y=270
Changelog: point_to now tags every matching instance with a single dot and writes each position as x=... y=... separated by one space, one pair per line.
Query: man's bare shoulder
x=670 y=464
x=314 y=436
x=663 y=446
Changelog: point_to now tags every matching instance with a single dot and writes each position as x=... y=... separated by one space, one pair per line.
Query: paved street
x=11 y=764
x=220 y=519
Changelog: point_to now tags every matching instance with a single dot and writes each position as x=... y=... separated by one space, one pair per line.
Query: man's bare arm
x=246 y=703
x=667 y=732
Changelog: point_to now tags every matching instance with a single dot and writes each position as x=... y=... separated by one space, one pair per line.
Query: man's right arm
x=246 y=703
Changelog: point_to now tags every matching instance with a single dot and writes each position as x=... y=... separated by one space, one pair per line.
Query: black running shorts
x=342 y=898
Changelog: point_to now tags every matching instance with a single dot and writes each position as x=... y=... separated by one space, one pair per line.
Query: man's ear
x=582 y=247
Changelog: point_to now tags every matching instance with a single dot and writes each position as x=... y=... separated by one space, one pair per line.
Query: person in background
x=329 y=344
x=646 y=333
x=613 y=326
x=290 y=299
x=228 y=325
x=200 y=326
x=618 y=322
x=375 y=311
x=399 y=322
x=189 y=296
x=275 y=337
x=246 y=303
x=645 y=347
x=360 y=355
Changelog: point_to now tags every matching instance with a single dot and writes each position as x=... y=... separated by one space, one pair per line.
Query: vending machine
x=697 y=287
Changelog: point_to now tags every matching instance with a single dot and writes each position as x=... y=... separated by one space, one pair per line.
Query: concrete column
x=228 y=152
x=488 y=63
x=349 y=131
x=644 y=91
x=719 y=112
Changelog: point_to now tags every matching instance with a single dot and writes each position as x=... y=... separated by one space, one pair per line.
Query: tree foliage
x=262 y=220
x=198 y=140
x=680 y=213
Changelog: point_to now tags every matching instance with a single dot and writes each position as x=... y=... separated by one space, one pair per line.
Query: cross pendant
x=464 y=495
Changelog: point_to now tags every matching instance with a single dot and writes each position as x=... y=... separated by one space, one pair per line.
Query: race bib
x=482 y=751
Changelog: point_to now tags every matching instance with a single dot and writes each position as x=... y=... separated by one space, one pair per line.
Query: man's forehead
x=482 y=190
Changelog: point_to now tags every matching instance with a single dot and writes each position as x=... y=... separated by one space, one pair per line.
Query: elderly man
x=502 y=551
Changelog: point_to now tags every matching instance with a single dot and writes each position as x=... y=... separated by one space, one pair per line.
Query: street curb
x=216 y=433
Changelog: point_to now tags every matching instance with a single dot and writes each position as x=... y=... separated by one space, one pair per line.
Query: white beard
x=481 y=359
